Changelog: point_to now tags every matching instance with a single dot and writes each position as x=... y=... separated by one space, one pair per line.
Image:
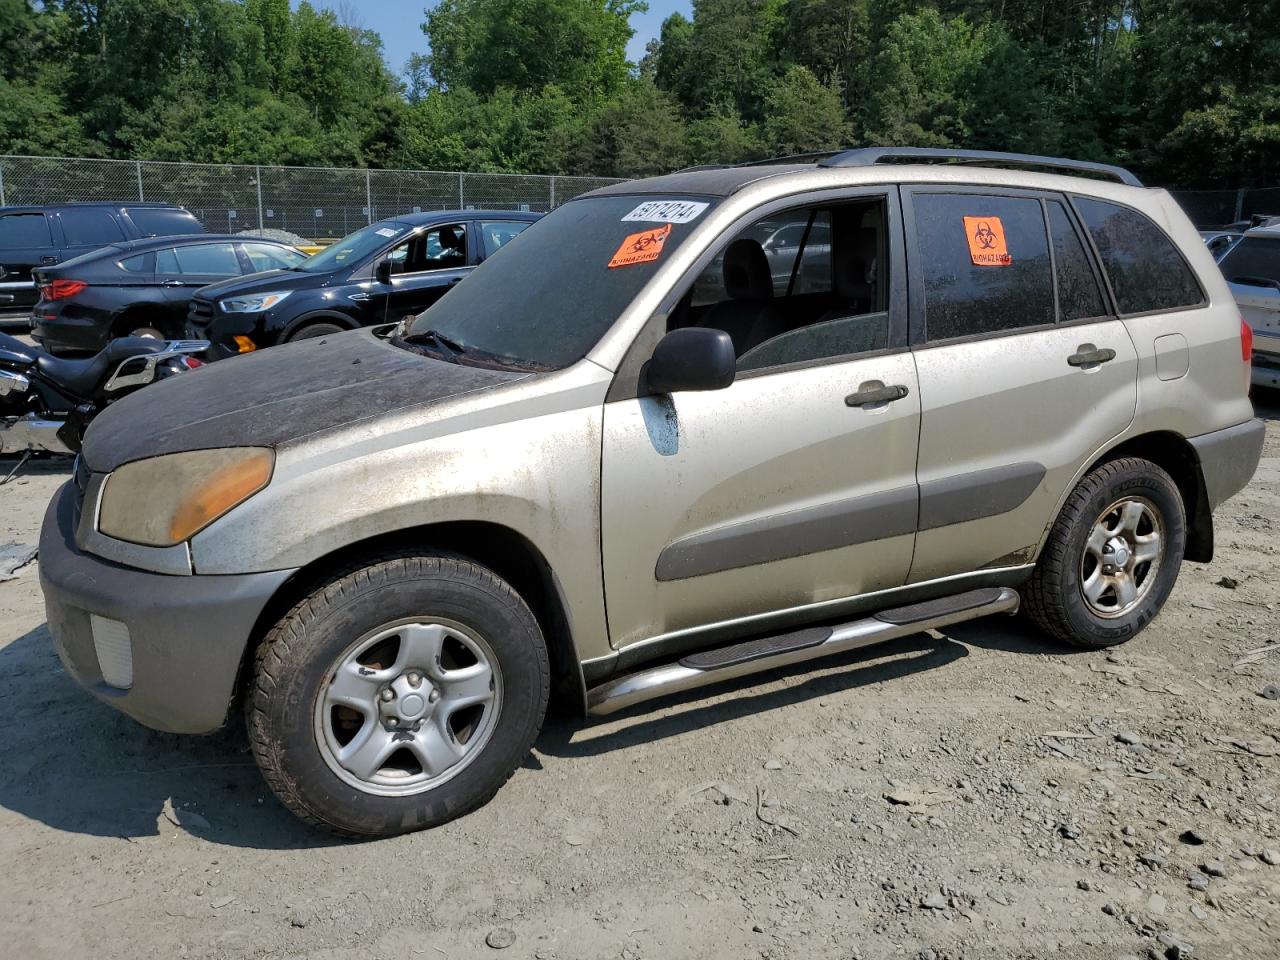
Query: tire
x=1078 y=598
x=312 y=330
x=150 y=333
x=310 y=665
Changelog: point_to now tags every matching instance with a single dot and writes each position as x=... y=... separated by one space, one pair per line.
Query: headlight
x=166 y=500
x=256 y=303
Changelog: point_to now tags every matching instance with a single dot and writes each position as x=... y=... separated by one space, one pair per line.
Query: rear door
x=182 y=270
x=426 y=266
x=1025 y=372
x=26 y=243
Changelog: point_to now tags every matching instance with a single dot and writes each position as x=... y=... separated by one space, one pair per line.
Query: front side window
x=265 y=256
x=553 y=294
x=204 y=259
x=985 y=264
x=1145 y=269
x=495 y=234
x=1254 y=261
x=810 y=284
x=89 y=225
x=24 y=230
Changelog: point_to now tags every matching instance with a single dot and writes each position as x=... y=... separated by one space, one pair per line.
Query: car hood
x=275 y=396
x=262 y=282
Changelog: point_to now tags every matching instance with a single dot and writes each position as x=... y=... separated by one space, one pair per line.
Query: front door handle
x=1087 y=355
x=48 y=259
x=869 y=396
x=171 y=283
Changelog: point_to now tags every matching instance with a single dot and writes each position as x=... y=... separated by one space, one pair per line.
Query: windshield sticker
x=987 y=247
x=643 y=247
x=666 y=211
x=386 y=232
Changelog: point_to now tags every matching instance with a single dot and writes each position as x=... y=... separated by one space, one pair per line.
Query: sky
x=400 y=24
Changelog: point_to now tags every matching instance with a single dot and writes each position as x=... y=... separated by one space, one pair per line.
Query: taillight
x=191 y=363
x=61 y=289
x=1246 y=341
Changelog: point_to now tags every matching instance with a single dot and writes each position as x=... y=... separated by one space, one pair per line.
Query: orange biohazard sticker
x=987 y=246
x=643 y=247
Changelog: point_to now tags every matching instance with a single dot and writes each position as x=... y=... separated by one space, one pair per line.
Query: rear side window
x=206 y=259
x=161 y=222
x=1078 y=295
x=89 y=226
x=24 y=230
x=1254 y=261
x=497 y=233
x=139 y=264
x=985 y=262
x=1146 y=271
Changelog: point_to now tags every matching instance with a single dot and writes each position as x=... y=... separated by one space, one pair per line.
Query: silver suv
x=1252 y=269
x=573 y=476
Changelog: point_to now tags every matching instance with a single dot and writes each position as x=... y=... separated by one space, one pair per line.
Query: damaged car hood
x=275 y=396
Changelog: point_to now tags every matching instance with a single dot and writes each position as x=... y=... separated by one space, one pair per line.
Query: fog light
x=114 y=648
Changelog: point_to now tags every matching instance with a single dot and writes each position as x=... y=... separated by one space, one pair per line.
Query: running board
x=766 y=653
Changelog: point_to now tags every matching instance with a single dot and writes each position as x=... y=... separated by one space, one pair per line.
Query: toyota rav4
x=589 y=470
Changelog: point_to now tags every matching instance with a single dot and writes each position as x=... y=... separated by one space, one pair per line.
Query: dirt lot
x=983 y=793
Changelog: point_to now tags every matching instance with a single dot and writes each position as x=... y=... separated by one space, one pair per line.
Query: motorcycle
x=46 y=402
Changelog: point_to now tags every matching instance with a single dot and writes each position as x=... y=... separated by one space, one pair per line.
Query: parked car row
x=1252 y=270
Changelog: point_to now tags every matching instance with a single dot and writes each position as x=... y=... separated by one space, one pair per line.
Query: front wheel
x=1112 y=556
x=313 y=330
x=398 y=695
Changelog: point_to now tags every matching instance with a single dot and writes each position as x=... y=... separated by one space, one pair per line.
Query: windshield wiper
x=435 y=336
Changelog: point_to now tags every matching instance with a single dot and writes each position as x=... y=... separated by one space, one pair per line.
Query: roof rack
x=868 y=156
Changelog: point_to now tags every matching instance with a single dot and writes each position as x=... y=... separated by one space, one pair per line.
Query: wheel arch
x=503 y=550
x=1176 y=456
x=130 y=313
x=316 y=316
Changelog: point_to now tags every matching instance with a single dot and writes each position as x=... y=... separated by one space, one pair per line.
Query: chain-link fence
x=317 y=203
x=1209 y=209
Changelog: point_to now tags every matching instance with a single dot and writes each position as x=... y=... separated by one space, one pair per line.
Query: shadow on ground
x=75 y=764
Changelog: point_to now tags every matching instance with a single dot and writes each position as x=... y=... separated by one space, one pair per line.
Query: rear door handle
x=1087 y=355
x=873 y=395
x=48 y=259
x=171 y=283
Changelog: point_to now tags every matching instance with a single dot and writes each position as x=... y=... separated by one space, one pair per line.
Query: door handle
x=171 y=283
x=48 y=259
x=873 y=395
x=1087 y=355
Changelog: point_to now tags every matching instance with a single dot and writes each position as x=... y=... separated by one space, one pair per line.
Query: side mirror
x=382 y=272
x=693 y=358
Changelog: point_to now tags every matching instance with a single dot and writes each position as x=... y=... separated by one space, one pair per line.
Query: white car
x=1252 y=269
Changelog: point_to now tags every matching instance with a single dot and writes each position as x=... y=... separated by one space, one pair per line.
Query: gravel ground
x=978 y=793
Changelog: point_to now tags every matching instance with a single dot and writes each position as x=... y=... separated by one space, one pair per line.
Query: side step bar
x=754 y=656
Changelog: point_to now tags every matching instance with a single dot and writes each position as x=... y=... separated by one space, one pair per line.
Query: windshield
x=1254 y=261
x=354 y=247
x=550 y=294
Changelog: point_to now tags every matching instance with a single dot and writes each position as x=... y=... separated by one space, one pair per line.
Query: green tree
x=802 y=115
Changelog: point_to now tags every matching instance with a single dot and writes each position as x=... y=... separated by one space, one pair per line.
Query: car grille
x=200 y=313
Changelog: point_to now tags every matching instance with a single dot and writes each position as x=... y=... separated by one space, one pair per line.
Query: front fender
x=537 y=475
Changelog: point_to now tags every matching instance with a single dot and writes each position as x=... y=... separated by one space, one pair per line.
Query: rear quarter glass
x=552 y=294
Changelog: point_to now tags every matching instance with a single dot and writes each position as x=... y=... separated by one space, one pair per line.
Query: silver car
x=1252 y=269
x=997 y=387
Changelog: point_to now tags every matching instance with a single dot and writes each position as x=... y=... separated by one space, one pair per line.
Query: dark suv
x=33 y=237
x=383 y=272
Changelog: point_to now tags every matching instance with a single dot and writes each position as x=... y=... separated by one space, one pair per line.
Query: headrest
x=746 y=271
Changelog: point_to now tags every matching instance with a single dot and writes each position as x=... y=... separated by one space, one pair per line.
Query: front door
x=424 y=268
x=1024 y=373
x=737 y=510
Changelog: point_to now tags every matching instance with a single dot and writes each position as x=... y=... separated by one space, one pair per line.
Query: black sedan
x=141 y=287
x=384 y=272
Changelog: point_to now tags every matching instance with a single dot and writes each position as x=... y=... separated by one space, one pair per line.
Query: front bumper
x=186 y=635
x=1228 y=459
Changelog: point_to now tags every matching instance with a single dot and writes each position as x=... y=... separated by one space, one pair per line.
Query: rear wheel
x=313 y=330
x=1112 y=556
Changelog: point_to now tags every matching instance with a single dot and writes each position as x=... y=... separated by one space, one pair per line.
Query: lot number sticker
x=666 y=211
x=643 y=247
x=987 y=246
